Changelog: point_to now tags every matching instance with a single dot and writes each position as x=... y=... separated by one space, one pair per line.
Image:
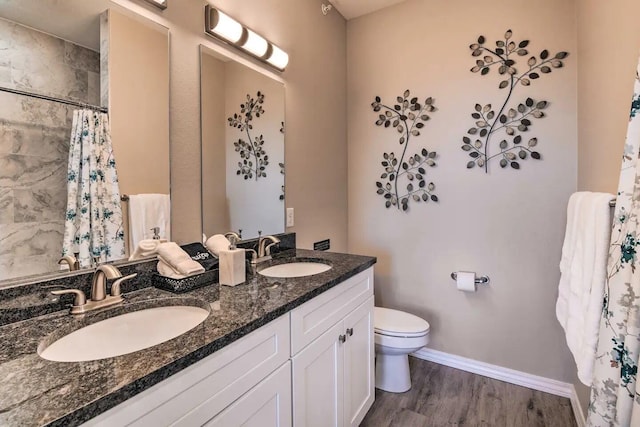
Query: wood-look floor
x=443 y=396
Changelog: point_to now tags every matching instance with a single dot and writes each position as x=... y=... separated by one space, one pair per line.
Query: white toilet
x=396 y=335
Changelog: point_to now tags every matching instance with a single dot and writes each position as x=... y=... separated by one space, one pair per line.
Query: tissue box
x=187 y=284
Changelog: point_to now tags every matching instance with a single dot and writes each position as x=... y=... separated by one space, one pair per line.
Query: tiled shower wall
x=34 y=143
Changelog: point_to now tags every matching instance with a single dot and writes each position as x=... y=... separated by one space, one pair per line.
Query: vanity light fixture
x=223 y=26
x=255 y=44
x=162 y=4
x=227 y=29
x=278 y=58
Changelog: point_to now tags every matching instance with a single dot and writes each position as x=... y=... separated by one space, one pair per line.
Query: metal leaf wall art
x=510 y=121
x=404 y=178
x=254 y=159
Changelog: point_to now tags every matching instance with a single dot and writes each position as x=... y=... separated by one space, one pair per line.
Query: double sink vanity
x=293 y=345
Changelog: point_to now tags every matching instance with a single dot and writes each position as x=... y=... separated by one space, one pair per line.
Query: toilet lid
x=398 y=323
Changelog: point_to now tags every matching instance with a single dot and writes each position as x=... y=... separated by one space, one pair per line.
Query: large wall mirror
x=243 y=167
x=88 y=52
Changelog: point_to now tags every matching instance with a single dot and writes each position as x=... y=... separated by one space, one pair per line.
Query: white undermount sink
x=294 y=269
x=125 y=334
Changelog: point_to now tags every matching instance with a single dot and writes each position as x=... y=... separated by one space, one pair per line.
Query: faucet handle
x=115 y=288
x=79 y=300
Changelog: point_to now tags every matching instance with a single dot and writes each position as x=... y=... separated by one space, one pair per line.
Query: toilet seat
x=395 y=323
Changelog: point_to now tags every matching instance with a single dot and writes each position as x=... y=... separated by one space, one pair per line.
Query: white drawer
x=314 y=317
x=196 y=394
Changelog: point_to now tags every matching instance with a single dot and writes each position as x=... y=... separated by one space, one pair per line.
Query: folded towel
x=146 y=248
x=217 y=243
x=180 y=261
x=147 y=211
x=583 y=275
x=167 y=271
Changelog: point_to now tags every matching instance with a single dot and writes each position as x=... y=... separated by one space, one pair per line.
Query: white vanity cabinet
x=266 y=405
x=311 y=367
x=333 y=355
x=202 y=391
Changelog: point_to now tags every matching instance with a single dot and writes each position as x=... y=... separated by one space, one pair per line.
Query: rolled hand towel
x=173 y=255
x=217 y=243
x=167 y=271
x=146 y=248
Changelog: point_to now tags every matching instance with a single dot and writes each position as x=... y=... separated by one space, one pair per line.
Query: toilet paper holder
x=483 y=280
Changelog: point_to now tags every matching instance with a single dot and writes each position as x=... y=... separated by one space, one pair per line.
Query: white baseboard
x=511 y=376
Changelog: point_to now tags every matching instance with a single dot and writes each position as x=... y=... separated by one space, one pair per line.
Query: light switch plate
x=290 y=220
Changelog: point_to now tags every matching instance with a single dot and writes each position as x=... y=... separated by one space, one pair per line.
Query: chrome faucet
x=99 y=297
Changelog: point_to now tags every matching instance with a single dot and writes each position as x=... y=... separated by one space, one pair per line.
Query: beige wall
x=215 y=212
x=608 y=47
x=315 y=82
x=138 y=103
x=507 y=224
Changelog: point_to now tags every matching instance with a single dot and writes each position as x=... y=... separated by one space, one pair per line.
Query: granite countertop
x=36 y=392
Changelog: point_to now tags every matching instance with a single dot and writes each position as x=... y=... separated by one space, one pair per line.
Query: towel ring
x=483 y=280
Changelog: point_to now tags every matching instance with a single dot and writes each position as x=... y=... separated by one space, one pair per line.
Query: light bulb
x=226 y=27
x=278 y=58
x=255 y=44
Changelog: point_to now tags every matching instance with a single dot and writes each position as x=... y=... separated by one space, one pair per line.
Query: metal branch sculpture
x=512 y=121
x=407 y=117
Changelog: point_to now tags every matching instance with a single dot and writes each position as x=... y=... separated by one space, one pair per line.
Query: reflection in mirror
x=242 y=148
x=80 y=54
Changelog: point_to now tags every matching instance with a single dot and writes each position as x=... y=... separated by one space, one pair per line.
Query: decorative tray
x=187 y=284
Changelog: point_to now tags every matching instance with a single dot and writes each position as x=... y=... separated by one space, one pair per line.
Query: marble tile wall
x=34 y=143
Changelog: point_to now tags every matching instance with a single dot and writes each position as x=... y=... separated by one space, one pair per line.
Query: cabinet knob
x=342 y=338
x=350 y=331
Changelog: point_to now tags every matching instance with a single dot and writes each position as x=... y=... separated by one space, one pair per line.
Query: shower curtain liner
x=615 y=401
x=93 y=223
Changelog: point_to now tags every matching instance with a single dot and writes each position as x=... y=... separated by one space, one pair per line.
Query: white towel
x=147 y=211
x=167 y=271
x=217 y=243
x=175 y=257
x=583 y=275
x=146 y=248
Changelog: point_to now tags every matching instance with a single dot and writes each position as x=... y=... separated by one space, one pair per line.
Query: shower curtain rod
x=49 y=98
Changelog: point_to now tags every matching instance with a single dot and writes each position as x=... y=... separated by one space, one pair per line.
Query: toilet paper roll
x=466 y=281
x=217 y=243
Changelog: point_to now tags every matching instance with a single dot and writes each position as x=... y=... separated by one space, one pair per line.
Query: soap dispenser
x=156 y=235
x=232 y=266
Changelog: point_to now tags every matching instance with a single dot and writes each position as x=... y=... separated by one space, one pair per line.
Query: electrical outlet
x=290 y=221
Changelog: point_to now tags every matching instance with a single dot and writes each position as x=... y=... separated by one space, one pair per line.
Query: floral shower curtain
x=615 y=400
x=93 y=223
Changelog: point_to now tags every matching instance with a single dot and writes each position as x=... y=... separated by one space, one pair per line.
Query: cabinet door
x=318 y=378
x=359 y=379
x=313 y=318
x=266 y=405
